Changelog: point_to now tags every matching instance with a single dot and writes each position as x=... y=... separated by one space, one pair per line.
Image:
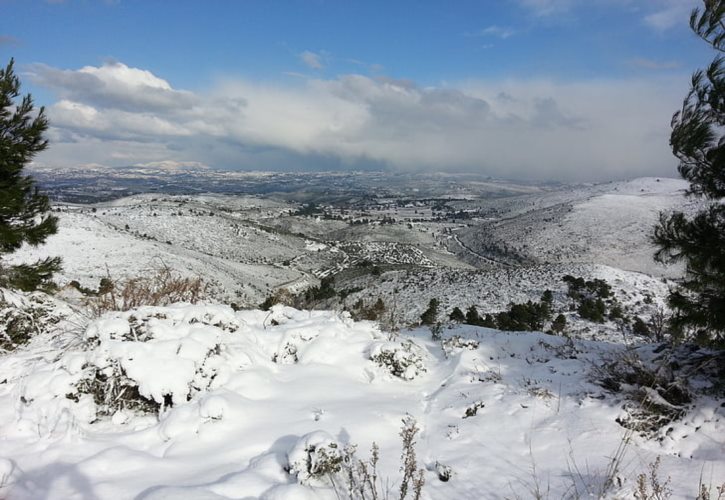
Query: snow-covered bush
x=457 y=342
x=24 y=315
x=402 y=359
x=112 y=390
x=315 y=458
x=287 y=355
x=656 y=394
x=150 y=358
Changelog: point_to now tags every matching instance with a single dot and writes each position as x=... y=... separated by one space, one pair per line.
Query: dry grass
x=650 y=486
x=160 y=288
x=358 y=479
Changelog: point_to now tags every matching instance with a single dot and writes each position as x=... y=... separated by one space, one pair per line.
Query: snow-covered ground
x=607 y=224
x=244 y=397
x=406 y=294
x=202 y=402
x=91 y=250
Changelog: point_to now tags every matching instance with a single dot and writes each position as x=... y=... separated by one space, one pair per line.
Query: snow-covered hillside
x=243 y=247
x=91 y=250
x=248 y=404
x=207 y=401
x=607 y=224
x=406 y=293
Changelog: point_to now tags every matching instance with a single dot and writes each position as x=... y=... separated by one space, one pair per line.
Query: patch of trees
x=325 y=290
x=529 y=316
x=308 y=209
x=590 y=296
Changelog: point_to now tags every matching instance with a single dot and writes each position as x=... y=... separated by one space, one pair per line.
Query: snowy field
x=205 y=402
x=247 y=400
x=607 y=224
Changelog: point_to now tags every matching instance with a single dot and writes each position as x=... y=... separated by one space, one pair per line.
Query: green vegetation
x=699 y=240
x=524 y=317
x=326 y=290
x=430 y=315
x=457 y=315
x=23 y=210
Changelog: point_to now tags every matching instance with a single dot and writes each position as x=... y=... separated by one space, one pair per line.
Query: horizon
x=535 y=90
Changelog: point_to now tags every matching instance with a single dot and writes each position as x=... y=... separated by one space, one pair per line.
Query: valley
x=310 y=342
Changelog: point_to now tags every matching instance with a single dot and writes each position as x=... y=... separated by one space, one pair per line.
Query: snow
x=312 y=246
x=205 y=402
x=609 y=224
x=498 y=412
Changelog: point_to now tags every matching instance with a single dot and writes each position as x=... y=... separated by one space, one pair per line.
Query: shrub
x=559 y=324
x=488 y=321
x=592 y=310
x=120 y=348
x=326 y=290
x=650 y=486
x=413 y=477
x=472 y=316
x=458 y=342
x=639 y=327
x=656 y=395
x=370 y=313
x=317 y=459
x=430 y=315
x=616 y=312
x=281 y=296
x=112 y=390
x=162 y=287
x=23 y=316
x=403 y=360
x=523 y=317
x=579 y=288
x=457 y=315
x=287 y=355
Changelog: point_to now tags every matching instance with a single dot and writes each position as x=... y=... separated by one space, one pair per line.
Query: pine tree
x=697 y=140
x=559 y=324
x=457 y=315
x=472 y=316
x=23 y=210
x=430 y=315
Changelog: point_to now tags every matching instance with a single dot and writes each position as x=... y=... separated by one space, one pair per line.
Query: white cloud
x=660 y=15
x=8 y=40
x=312 y=60
x=644 y=63
x=670 y=13
x=520 y=128
x=494 y=31
x=548 y=7
x=114 y=84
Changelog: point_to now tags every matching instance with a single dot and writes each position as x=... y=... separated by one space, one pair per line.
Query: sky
x=547 y=90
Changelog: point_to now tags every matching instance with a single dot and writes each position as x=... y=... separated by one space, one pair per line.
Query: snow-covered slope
x=244 y=247
x=244 y=398
x=406 y=293
x=91 y=250
x=607 y=224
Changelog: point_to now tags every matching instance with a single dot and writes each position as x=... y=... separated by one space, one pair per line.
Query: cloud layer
x=660 y=15
x=536 y=129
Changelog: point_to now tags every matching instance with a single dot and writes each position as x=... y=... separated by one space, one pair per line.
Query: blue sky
x=538 y=89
